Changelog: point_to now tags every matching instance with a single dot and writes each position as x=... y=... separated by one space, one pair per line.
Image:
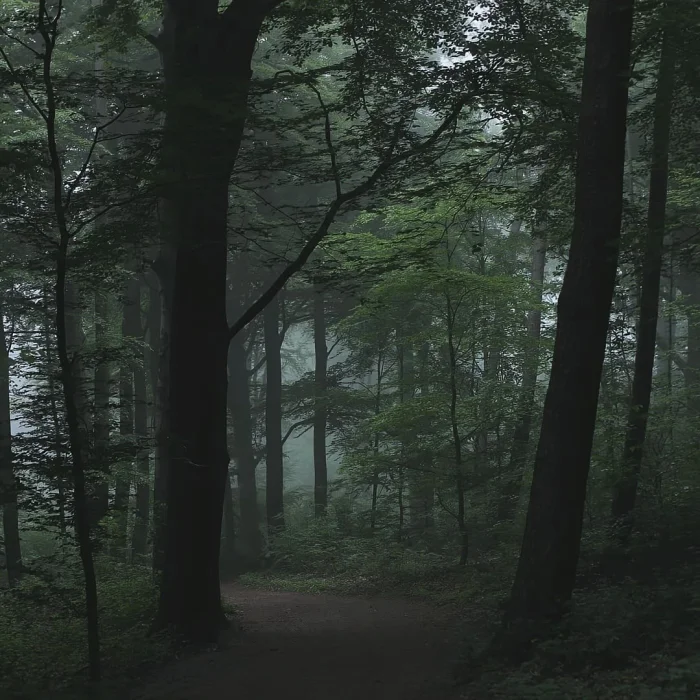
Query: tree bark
x=274 y=456
x=625 y=490
x=207 y=63
x=546 y=570
x=8 y=483
x=320 y=405
x=508 y=500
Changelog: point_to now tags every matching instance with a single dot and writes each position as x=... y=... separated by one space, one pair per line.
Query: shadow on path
x=296 y=646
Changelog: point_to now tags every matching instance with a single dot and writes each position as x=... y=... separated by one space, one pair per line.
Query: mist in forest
x=349 y=349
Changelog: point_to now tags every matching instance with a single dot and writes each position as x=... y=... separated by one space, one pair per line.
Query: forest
x=350 y=349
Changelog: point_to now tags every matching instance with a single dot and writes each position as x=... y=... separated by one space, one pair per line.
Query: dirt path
x=319 y=647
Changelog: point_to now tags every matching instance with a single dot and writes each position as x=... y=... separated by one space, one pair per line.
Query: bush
x=43 y=638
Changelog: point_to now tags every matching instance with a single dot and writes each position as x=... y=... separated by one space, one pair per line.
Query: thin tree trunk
x=126 y=428
x=69 y=346
x=228 y=541
x=375 y=447
x=8 y=484
x=320 y=406
x=249 y=539
x=273 y=420
x=139 y=544
x=508 y=500
x=70 y=342
x=549 y=555
x=101 y=424
x=625 y=491
x=422 y=488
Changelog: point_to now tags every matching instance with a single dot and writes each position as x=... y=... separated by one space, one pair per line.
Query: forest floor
x=320 y=647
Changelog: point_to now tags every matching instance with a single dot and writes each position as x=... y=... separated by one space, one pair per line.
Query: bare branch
x=88 y=157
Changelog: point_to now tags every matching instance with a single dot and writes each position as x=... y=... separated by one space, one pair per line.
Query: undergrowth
x=43 y=630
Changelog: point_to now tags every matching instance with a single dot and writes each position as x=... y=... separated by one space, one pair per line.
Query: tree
x=625 y=491
x=546 y=570
x=8 y=483
x=320 y=400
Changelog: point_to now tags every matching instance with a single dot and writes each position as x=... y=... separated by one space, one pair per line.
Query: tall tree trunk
x=139 y=543
x=510 y=493
x=548 y=560
x=274 y=457
x=70 y=343
x=101 y=424
x=625 y=491
x=249 y=539
x=207 y=63
x=320 y=405
x=8 y=484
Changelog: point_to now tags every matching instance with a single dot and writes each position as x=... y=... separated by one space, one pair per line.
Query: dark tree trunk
x=320 y=405
x=508 y=500
x=546 y=570
x=206 y=59
x=249 y=540
x=625 y=491
x=139 y=543
x=8 y=484
x=101 y=421
x=274 y=456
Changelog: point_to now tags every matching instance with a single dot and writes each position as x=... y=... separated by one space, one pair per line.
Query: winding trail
x=297 y=646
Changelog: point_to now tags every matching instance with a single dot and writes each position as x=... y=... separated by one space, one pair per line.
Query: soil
x=294 y=646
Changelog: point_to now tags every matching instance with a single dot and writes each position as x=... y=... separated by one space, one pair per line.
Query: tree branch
x=382 y=169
